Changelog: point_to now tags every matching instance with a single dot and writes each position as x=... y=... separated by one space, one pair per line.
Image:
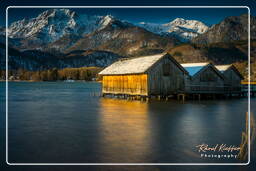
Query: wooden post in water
x=141 y=98
x=158 y=97
x=183 y=98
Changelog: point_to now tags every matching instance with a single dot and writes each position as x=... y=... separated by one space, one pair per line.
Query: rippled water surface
x=63 y=122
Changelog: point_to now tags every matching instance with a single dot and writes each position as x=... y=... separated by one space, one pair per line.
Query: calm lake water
x=55 y=122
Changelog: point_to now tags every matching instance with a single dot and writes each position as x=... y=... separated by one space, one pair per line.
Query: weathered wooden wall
x=135 y=84
x=232 y=78
x=207 y=81
x=161 y=84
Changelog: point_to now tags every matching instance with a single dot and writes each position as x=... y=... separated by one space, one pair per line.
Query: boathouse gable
x=166 y=77
x=232 y=76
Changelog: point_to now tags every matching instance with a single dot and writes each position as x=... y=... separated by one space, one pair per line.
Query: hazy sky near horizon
x=155 y=15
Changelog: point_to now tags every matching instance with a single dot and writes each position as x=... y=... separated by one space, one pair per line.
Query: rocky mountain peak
x=231 y=29
x=56 y=12
x=181 y=28
x=54 y=24
x=178 y=21
x=48 y=26
x=106 y=20
x=193 y=25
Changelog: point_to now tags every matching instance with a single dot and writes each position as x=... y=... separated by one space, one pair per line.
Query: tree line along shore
x=83 y=73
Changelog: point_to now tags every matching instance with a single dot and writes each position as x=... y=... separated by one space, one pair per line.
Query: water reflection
x=125 y=131
x=209 y=122
x=56 y=122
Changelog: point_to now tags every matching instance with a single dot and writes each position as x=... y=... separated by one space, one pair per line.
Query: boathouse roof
x=223 y=68
x=136 y=65
x=194 y=68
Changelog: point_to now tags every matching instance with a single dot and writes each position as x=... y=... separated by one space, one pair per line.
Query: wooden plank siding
x=165 y=80
x=206 y=81
x=232 y=78
x=135 y=84
x=232 y=81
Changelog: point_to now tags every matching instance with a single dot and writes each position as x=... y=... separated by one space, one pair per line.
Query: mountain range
x=63 y=38
x=53 y=24
x=63 y=29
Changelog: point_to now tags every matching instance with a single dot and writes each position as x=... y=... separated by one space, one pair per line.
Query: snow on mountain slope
x=52 y=24
x=62 y=30
x=183 y=29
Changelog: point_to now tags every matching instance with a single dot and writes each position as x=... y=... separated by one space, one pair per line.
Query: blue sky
x=157 y=15
x=208 y=16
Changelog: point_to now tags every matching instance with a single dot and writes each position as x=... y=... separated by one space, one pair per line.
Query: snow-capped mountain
x=184 y=30
x=63 y=30
x=53 y=24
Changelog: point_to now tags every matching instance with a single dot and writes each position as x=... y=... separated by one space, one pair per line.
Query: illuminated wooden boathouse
x=144 y=76
x=162 y=76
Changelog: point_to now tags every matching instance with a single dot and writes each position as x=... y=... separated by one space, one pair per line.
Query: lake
x=57 y=122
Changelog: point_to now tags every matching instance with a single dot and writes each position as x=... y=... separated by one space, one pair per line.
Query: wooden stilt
x=183 y=98
x=159 y=97
x=141 y=99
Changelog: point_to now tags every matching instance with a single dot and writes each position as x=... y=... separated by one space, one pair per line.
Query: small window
x=166 y=69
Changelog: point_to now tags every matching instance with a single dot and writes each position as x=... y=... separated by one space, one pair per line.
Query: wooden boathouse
x=142 y=76
x=162 y=76
x=204 y=78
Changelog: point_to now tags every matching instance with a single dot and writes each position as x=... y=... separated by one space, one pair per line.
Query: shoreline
x=45 y=81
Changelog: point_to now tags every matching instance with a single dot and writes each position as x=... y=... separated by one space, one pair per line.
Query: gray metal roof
x=222 y=68
x=131 y=66
x=194 y=68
